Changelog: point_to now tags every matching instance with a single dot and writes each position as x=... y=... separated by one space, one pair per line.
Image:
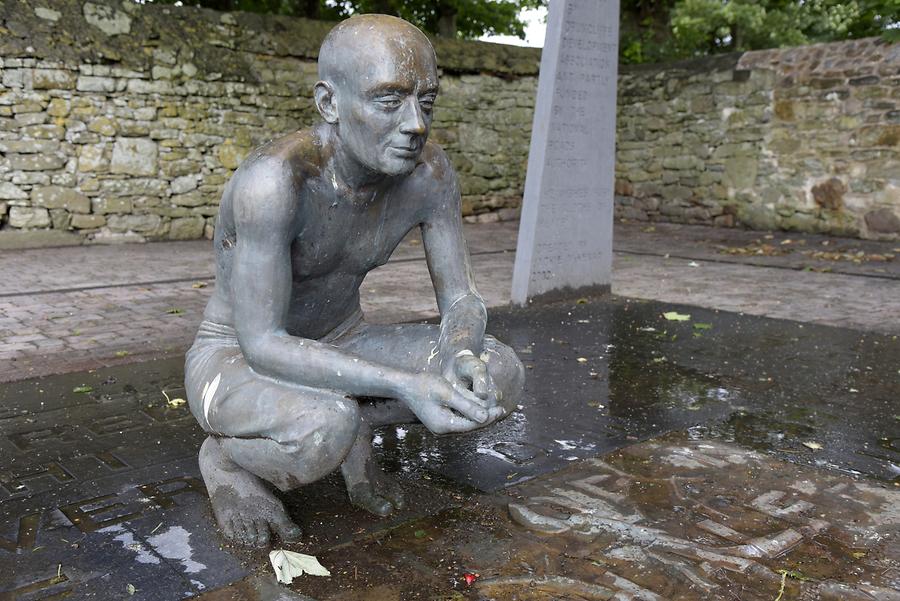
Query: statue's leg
x=408 y=347
x=262 y=431
x=244 y=507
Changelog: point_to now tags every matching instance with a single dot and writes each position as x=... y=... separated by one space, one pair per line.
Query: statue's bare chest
x=340 y=238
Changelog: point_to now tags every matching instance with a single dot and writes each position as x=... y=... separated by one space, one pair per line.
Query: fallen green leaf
x=812 y=445
x=419 y=534
x=122 y=353
x=675 y=316
x=130 y=589
x=175 y=311
x=702 y=326
x=82 y=389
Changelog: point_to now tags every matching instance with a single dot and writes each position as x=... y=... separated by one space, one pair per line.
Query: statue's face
x=385 y=104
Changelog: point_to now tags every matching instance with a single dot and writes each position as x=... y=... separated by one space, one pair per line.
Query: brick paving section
x=71 y=309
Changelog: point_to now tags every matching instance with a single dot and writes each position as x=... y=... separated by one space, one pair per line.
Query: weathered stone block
x=134 y=156
x=192 y=199
x=230 y=156
x=29 y=146
x=186 y=228
x=106 y=18
x=48 y=14
x=757 y=217
x=740 y=171
x=829 y=194
x=883 y=221
x=133 y=223
x=53 y=79
x=134 y=186
x=183 y=184
x=60 y=219
x=92 y=83
x=91 y=157
x=57 y=197
x=28 y=217
x=87 y=222
x=36 y=162
x=107 y=205
x=47 y=131
x=103 y=126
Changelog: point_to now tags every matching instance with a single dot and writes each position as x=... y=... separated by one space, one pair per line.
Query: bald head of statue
x=377 y=86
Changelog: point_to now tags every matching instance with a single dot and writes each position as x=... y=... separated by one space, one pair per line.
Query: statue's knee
x=506 y=370
x=330 y=439
x=313 y=446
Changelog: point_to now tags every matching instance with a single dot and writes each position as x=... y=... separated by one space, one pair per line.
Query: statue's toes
x=363 y=496
x=240 y=531
x=259 y=533
x=287 y=530
x=229 y=529
x=391 y=490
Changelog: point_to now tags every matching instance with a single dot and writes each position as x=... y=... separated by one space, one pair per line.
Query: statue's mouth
x=406 y=151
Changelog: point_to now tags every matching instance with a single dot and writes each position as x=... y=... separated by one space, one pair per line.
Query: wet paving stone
x=671 y=518
x=99 y=489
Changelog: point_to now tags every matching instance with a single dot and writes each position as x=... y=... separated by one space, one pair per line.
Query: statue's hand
x=468 y=373
x=443 y=408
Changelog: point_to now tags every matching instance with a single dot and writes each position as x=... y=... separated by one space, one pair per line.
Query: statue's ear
x=325 y=101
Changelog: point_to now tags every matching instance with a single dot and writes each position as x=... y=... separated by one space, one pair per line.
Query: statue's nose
x=413 y=118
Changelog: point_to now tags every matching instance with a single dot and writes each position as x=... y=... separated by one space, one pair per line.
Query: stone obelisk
x=565 y=236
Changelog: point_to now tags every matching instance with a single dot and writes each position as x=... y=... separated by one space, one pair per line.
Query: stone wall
x=803 y=139
x=122 y=122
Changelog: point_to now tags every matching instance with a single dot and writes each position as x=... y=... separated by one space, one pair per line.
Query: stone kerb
x=122 y=122
x=802 y=139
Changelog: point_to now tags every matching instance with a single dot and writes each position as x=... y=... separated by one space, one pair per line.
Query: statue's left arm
x=463 y=312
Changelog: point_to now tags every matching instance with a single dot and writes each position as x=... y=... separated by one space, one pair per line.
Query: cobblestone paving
x=70 y=309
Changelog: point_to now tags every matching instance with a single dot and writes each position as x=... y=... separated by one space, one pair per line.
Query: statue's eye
x=427 y=102
x=389 y=102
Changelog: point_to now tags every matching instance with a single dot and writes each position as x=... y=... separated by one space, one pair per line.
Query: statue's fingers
x=480 y=380
x=460 y=387
x=468 y=408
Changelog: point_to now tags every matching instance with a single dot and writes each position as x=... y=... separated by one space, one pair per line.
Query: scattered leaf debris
x=676 y=316
x=289 y=565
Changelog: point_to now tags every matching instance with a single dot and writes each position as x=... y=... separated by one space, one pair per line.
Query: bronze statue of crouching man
x=284 y=367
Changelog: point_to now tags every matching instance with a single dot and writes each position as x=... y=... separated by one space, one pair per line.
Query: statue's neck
x=350 y=176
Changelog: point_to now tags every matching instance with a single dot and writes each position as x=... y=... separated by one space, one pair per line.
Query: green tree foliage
x=452 y=18
x=657 y=30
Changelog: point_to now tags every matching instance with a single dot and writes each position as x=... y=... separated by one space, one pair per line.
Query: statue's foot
x=246 y=510
x=368 y=487
x=379 y=494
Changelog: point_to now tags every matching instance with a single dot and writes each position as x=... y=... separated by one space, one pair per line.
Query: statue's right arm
x=264 y=204
x=264 y=201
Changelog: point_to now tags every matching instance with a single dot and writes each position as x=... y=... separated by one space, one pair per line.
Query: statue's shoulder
x=273 y=172
x=436 y=166
x=294 y=155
